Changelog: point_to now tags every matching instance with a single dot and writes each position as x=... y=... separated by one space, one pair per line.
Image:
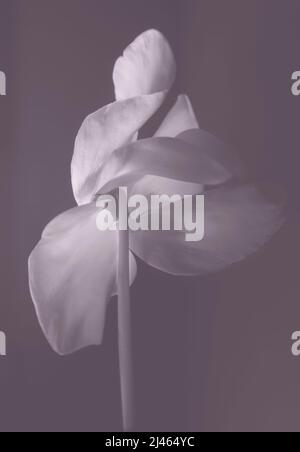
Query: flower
x=72 y=270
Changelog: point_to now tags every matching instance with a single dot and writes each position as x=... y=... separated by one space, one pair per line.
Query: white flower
x=72 y=270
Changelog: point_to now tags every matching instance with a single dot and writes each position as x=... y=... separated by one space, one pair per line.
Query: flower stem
x=124 y=326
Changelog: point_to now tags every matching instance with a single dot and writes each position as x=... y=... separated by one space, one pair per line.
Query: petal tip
x=184 y=98
x=147 y=66
x=179 y=119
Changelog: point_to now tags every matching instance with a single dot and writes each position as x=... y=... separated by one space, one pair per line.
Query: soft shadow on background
x=211 y=354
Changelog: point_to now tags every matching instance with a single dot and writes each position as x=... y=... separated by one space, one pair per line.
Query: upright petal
x=238 y=221
x=102 y=133
x=147 y=66
x=72 y=275
x=180 y=119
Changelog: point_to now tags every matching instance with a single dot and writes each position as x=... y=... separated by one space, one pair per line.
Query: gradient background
x=211 y=354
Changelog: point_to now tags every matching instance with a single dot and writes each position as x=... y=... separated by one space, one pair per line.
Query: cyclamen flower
x=73 y=270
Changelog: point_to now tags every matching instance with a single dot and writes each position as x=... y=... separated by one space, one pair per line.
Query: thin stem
x=124 y=325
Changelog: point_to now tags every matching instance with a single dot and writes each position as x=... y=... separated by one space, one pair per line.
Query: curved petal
x=146 y=67
x=238 y=221
x=102 y=133
x=172 y=158
x=216 y=149
x=180 y=119
x=72 y=275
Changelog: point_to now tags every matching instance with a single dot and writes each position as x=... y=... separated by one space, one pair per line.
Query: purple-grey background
x=211 y=354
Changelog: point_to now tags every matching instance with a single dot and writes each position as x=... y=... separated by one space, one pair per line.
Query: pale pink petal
x=147 y=66
x=173 y=158
x=238 y=221
x=180 y=119
x=102 y=133
x=215 y=149
x=72 y=274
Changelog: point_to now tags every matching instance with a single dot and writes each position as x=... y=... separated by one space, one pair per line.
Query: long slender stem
x=125 y=340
